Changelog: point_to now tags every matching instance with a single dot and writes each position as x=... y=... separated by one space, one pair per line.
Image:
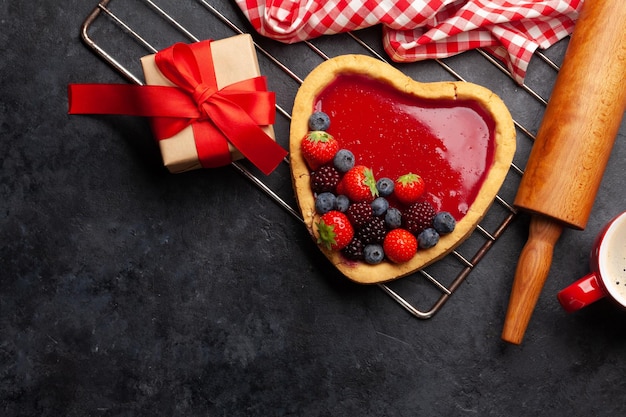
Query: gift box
x=234 y=59
x=207 y=102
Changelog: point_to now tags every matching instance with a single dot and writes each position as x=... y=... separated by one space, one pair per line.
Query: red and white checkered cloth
x=415 y=30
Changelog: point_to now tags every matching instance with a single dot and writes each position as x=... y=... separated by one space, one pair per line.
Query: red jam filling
x=447 y=142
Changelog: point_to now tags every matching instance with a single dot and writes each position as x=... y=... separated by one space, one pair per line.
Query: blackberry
x=354 y=250
x=359 y=214
x=373 y=231
x=325 y=179
x=418 y=216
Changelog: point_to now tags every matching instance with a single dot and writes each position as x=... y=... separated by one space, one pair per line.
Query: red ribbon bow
x=232 y=114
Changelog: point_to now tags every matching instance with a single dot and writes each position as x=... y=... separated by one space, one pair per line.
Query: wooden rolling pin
x=572 y=147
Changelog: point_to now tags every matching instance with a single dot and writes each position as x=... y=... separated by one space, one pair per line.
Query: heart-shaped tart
x=457 y=137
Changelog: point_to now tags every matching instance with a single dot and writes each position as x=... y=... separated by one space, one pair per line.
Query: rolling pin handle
x=531 y=274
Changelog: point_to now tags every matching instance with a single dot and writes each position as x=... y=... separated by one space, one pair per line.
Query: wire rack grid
x=121 y=32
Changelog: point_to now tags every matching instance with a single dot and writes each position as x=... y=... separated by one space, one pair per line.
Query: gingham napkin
x=414 y=30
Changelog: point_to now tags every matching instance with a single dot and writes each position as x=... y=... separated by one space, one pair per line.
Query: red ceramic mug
x=608 y=270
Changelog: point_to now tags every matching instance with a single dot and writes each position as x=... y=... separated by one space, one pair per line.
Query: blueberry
x=380 y=206
x=428 y=238
x=325 y=202
x=373 y=254
x=393 y=218
x=342 y=203
x=385 y=186
x=444 y=222
x=319 y=121
x=343 y=160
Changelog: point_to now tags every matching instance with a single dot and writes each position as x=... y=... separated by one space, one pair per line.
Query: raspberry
x=418 y=216
x=325 y=179
x=354 y=250
x=373 y=231
x=359 y=214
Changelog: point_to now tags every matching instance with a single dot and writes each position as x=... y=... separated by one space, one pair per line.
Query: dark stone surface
x=125 y=290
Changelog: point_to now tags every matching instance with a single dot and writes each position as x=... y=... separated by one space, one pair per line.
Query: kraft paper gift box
x=234 y=59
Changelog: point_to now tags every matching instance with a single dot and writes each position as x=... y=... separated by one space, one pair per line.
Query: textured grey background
x=125 y=290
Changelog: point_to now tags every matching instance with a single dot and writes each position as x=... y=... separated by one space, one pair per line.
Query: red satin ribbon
x=217 y=116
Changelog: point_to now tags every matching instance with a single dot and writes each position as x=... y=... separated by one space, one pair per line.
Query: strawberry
x=318 y=148
x=409 y=188
x=400 y=245
x=334 y=230
x=359 y=184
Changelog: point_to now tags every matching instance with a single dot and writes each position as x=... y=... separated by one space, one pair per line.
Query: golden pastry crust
x=504 y=136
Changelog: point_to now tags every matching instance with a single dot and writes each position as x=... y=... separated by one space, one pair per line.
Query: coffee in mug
x=608 y=270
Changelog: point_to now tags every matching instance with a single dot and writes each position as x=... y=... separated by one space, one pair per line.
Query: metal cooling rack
x=122 y=31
